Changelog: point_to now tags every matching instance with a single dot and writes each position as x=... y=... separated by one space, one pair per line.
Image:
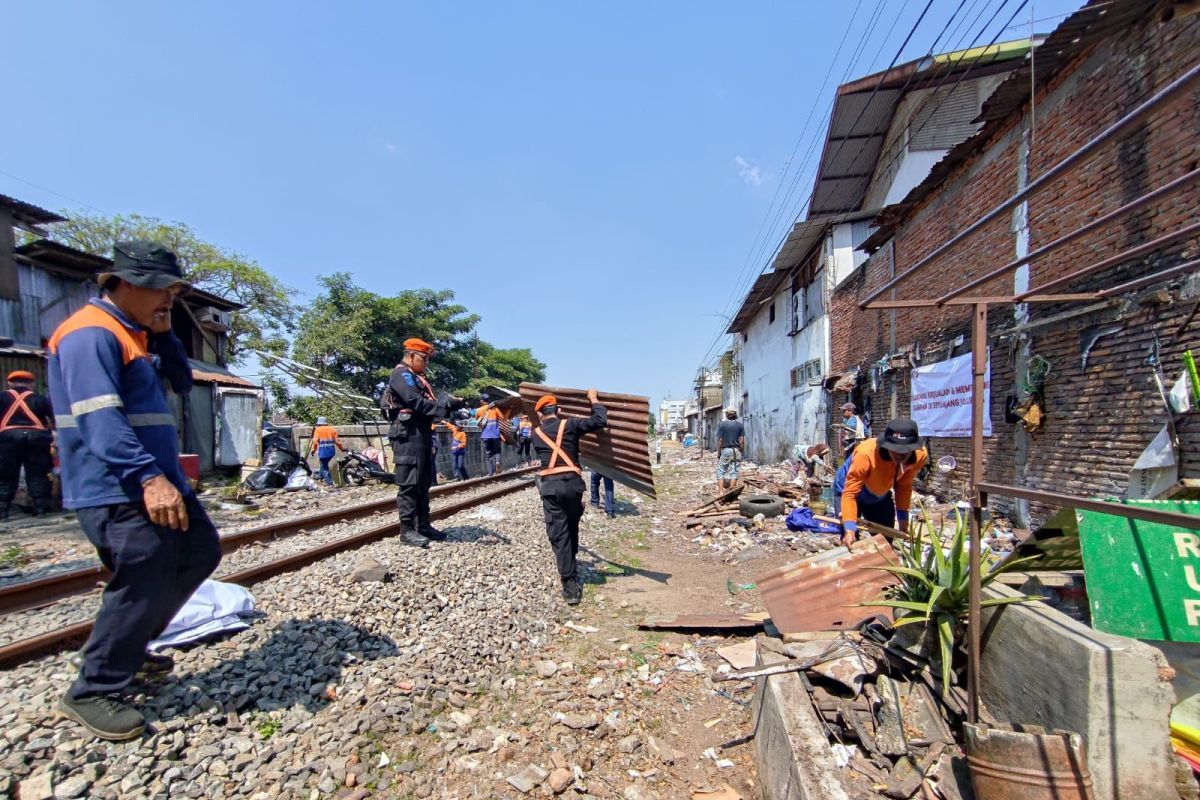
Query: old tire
x=768 y=505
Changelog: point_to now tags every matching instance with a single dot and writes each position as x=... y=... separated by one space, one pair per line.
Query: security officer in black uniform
x=26 y=425
x=556 y=444
x=414 y=409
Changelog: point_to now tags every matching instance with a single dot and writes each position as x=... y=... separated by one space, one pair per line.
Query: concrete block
x=1041 y=667
x=790 y=746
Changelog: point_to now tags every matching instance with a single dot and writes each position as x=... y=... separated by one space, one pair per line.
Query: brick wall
x=1099 y=419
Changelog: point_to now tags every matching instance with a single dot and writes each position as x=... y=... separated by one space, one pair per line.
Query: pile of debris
x=734 y=526
x=890 y=727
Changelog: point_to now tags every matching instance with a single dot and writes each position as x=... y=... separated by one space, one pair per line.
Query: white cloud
x=748 y=171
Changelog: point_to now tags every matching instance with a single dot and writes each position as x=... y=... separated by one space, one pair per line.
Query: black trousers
x=154 y=572
x=562 y=502
x=29 y=449
x=414 y=476
x=524 y=452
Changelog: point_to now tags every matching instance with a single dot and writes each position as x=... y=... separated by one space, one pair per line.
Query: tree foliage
x=355 y=336
x=268 y=316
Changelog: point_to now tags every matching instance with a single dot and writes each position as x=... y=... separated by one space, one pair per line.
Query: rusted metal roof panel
x=819 y=593
x=621 y=451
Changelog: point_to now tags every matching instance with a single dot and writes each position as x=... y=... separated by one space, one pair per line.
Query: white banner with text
x=941 y=397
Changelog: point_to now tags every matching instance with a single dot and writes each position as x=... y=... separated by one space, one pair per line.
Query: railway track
x=45 y=591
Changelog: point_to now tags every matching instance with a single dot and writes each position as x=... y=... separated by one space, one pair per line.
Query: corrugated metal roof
x=621 y=451
x=763 y=290
x=863 y=110
x=62 y=257
x=28 y=213
x=204 y=372
x=799 y=243
x=1078 y=32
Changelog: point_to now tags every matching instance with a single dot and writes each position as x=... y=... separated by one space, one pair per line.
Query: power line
x=745 y=275
x=51 y=191
x=744 y=282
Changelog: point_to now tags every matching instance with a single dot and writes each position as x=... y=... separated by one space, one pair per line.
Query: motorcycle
x=357 y=469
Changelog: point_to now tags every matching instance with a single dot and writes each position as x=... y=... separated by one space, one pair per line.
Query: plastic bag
x=802 y=519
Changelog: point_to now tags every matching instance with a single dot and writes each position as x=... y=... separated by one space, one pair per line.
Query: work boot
x=3 y=511
x=152 y=663
x=411 y=537
x=155 y=664
x=107 y=716
x=431 y=533
x=572 y=591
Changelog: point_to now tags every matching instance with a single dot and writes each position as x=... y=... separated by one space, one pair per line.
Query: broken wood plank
x=889 y=721
x=721 y=498
x=716 y=622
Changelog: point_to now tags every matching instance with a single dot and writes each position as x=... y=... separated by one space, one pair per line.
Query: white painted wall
x=777 y=416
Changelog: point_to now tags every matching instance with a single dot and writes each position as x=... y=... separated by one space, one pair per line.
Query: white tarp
x=213 y=608
x=941 y=398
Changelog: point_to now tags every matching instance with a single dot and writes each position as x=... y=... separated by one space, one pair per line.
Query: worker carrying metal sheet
x=865 y=483
x=26 y=436
x=412 y=407
x=560 y=484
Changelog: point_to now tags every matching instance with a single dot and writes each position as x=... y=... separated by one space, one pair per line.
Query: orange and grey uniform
x=458 y=451
x=115 y=432
x=556 y=444
x=865 y=482
x=26 y=420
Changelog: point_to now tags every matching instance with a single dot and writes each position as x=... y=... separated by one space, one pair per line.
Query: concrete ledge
x=1041 y=667
x=790 y=746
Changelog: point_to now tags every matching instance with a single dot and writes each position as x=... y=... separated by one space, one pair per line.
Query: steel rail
x=40 y=592
x=33 y=646
x=1175 y=89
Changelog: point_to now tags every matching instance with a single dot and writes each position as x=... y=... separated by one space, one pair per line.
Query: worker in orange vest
x=26 y=435
x=561 y=483
x=325 y=444
x=458 y=451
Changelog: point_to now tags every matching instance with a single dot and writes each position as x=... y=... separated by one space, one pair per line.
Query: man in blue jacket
x=121 y=474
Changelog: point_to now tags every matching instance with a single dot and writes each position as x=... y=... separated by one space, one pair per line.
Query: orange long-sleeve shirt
x=871 y=472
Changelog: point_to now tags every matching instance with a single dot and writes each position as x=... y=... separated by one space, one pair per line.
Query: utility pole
x=700 y=404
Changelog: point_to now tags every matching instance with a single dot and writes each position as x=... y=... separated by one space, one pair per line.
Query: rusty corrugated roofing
x=819 y=593
x=621 y=451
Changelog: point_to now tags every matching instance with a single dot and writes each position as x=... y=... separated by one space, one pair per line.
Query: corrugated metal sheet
x=800 y=242
x=31 y=360
x=47 y=299
x=763 y=289
x=621 y=451
x=819 y=593
x=945 y=118
x=28 y=213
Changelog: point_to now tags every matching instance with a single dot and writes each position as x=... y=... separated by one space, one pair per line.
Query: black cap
x=900 y=436
x=145 y=264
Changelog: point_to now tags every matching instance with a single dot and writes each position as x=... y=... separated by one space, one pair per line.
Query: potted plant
x=934 y=587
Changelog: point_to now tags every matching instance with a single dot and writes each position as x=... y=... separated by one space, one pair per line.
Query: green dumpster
x=1143 y=578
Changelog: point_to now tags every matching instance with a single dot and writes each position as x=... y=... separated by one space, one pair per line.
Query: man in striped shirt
x=121 y=474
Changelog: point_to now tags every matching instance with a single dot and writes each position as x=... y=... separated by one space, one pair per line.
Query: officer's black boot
x=572 y=591
x=3 y=511
x=431 y=533
x=410 y=537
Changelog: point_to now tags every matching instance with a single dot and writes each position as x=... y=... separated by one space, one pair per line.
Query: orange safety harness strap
x=556 y=452
x=19 y=405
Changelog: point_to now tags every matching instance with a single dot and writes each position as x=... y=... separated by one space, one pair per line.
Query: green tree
x=356 y=336
x=268 y=317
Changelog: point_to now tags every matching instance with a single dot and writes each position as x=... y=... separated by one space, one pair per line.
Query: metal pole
x=979 y=354
x=1175 y=89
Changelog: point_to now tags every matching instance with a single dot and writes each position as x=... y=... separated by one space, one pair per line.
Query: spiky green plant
x=934 y=586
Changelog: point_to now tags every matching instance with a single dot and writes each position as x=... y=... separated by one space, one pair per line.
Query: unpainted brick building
x=1100 y=64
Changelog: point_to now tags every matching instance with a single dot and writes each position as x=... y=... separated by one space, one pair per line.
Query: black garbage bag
x=264 y=478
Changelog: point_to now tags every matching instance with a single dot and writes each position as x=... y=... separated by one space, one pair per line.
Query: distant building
x=670 y=415
x=43 y=282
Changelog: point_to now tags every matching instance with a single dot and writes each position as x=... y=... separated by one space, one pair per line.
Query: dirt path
x=606 y=709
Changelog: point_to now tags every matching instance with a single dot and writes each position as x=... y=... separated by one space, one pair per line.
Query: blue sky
x=589 y=178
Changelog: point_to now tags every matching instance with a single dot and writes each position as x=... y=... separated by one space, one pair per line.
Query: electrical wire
x=743 y=280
